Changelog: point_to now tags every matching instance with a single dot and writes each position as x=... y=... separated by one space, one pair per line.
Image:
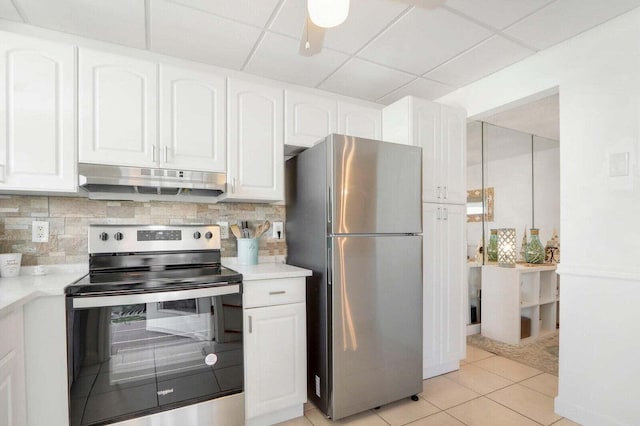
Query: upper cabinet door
x=308 y=118
x=192 y=120
x=37 y=133
x=255 y=150
x=360 y=121
x=117 y=110
x=453 y=155
x=426 y=131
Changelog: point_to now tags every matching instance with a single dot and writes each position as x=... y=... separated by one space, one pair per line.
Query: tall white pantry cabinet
x=441 y=132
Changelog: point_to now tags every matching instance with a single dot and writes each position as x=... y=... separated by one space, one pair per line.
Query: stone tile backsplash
x=69 y=217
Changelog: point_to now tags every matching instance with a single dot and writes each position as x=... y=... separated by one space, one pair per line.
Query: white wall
x=598 y=76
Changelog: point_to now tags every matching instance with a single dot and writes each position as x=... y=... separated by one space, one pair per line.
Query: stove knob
x=197 y=235
x=208 y=235
x=118 y=236
x=104 y=236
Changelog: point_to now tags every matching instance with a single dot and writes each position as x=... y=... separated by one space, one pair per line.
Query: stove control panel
x=139 y=238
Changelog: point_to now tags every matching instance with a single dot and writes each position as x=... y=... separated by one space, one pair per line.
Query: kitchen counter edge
x=18 y=291
x=267 y=271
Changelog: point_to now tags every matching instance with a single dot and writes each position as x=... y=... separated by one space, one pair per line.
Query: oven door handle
x=153 y=297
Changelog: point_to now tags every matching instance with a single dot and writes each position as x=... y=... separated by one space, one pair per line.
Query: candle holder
x=507 y=247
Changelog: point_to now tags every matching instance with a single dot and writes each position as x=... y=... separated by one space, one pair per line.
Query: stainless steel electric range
x=154 y=331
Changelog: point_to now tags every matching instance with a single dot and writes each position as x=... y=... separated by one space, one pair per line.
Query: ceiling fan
x=324 y=14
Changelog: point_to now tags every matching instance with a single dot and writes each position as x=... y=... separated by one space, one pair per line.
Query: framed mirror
x=480 y=205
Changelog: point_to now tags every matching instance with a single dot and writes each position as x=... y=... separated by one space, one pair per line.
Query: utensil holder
x=248 y=251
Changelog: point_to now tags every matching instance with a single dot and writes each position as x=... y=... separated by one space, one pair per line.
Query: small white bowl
x=10 y=264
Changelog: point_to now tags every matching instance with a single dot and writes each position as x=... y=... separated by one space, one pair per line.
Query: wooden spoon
x=235 y=230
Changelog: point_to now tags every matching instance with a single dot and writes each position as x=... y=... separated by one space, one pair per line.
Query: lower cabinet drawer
x=273 y=292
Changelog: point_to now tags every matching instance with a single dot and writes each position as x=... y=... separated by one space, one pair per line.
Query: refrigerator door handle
x=329 y=262
x=329 y=209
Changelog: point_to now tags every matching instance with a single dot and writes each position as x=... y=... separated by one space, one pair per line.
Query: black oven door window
x=134 y=360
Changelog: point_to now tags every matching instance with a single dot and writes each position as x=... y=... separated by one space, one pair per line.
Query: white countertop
x=17 y=291
x=266 y=271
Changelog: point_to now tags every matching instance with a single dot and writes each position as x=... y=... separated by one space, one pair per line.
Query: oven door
x=134 y=355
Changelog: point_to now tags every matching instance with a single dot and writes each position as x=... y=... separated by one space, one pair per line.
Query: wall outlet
x=39 y=231
x=224 y=230
x=278 y=230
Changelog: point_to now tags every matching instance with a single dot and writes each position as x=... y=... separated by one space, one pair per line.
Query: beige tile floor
x=488 y=390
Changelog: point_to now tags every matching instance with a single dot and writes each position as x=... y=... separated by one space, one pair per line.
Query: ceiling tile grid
x=8 y=11
x=193 y=34
x=386 y=49
x=564 y=19
x=365 y=80
x=114 y=21
x=484 y=59
x=277 y=57
x=423 y=39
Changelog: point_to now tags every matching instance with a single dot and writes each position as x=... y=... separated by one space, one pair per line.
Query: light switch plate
x=619 y=164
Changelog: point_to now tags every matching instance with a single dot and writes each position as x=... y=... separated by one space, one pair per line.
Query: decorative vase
x=492 y=248
x=535 y=250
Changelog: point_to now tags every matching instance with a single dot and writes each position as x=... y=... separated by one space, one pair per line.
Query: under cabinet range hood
x=104 y=182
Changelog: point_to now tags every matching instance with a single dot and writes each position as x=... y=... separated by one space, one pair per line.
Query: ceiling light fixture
x=328 y=13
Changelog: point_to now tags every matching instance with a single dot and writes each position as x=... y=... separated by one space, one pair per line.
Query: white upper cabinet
x=117 y=110
x=37 y=119
x=255 y=151
x=192 y=120
x=308 y=118
x=359 y=120
x=453 y=155
x=441 y=132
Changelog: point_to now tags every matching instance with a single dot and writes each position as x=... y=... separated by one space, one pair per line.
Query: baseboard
x=277 y=416
x=473 y=329
x=439 y=369
x=583 y=415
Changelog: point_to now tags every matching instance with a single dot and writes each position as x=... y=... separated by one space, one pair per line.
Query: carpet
x=541 y=353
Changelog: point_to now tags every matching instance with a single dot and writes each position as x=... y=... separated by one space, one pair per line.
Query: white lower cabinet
x=444 y=288
x=13 y=406
x=275 y=350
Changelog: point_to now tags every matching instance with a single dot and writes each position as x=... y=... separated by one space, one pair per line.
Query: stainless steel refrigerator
x=354 y=217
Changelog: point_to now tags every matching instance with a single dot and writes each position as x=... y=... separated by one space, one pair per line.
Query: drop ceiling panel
x=421 y=88
x=247 y=11
x=188 y=33
x=366 y=19
x=362 y=79
x=566 y=18
x=424 y=39
x=8 y=11
x=277 y=57
x=115 y=21
x=497 y=13
x=480 y=61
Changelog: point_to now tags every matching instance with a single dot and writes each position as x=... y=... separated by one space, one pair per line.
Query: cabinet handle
x=271 y=293
x=166 y=154
x=439 y=192
x=233 y=185
x=250 y=325
x=439 y=214
x=153 y=153
x=446 y=213
x=445 y=192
